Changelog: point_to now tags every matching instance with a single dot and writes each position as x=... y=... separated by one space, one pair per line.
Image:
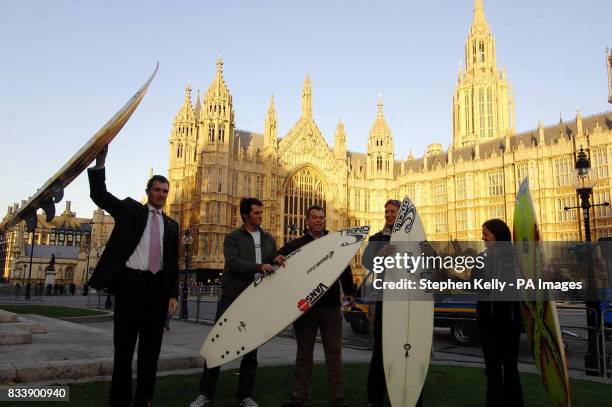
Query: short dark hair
x=499 y=229
x=393 y=202
x=157 y=178
x=245 y=206
x=314 y=207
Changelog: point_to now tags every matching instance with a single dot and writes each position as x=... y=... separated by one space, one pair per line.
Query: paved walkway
x=78 y=350
x=84 y=351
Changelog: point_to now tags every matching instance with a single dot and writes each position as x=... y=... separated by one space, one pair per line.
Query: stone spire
x=340 y=142
x=185 y=114
x=270 y=127
x=380 y=147
x=307 y=98
x=479 y=20
x=198 y=106
x=483 y=105
x=217 y=117
x=379 y=108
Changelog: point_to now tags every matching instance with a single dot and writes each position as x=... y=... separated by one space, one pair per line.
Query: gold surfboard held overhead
x=53 y=190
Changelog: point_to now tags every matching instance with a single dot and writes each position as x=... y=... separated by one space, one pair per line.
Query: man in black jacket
x=324 y=315
x=140 y=266
x=378 y=245
x=247 y=250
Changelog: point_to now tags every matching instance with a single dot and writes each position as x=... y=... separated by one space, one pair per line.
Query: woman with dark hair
x=499 y=322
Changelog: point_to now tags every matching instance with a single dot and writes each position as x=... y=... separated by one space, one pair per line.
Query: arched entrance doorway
x=305 y=187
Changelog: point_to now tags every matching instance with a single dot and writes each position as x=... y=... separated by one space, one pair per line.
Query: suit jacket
x=130 y=221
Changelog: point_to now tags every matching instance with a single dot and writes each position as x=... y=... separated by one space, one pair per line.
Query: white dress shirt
x=139 y=260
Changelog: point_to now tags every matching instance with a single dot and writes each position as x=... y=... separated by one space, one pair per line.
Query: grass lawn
x=446 y=386
x=51 y=311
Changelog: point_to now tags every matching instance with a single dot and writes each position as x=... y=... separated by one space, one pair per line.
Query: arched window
x=303 y=189
x=481 y=112
x=222 y=133
x=259 y=187
x=211 y=132
x=219 y=179
x=235 y=184
x=481 y=51
x=489 y=112
x=209 y=179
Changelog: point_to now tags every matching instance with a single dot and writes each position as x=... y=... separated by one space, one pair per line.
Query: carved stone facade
x=69 y=238
x=213 y=165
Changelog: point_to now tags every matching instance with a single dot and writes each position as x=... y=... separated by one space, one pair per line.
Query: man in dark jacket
x=139 y=266
x=324 y=315
x=378 y=245
x=247 y=251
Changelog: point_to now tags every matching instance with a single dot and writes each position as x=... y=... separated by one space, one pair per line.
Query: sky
x=68 y=66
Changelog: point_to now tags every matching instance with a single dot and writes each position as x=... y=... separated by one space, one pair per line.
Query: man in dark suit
x=140 y=267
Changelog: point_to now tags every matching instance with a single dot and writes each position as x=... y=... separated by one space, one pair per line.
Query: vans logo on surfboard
x=305 y=303
x=328 y=256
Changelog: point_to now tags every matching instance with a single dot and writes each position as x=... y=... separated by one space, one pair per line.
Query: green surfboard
x=539 y=317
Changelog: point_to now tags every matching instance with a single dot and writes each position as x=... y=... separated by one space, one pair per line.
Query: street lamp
x=187 y=241
x=584 y=180
x=27 y=288
x=86 y=271
x=109 y=298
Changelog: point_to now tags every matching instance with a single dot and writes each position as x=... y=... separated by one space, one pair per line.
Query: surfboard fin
x=49 y=207
x=31 y=220
x=58 y=194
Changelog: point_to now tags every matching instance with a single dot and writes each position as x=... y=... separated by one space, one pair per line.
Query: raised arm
x=97 y=187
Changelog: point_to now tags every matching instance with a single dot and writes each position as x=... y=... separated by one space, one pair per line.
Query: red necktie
x=154 y=244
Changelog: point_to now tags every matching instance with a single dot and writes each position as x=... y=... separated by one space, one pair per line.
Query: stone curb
x=88 y=319
x=14 y=336
x=85 y=368
x=6 y=316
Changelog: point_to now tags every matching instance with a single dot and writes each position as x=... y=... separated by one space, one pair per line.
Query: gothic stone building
x=213 y=165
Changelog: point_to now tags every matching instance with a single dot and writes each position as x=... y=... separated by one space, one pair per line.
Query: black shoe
x=338 y=403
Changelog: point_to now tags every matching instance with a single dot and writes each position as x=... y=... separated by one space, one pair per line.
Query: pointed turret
x=340 y=142
x=479 y=20
x=483 y=105
x=270 y=134
x=307 y=98
x=380 y=147
x=217 y=117
x=609 y=66
x=182 y=148
x=198 y=106
x=540 y=133
x=182 y=138
x=579 y=123
x=185 y=113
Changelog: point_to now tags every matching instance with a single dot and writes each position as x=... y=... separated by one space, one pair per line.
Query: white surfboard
x=270 y=304
x=407 y=326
